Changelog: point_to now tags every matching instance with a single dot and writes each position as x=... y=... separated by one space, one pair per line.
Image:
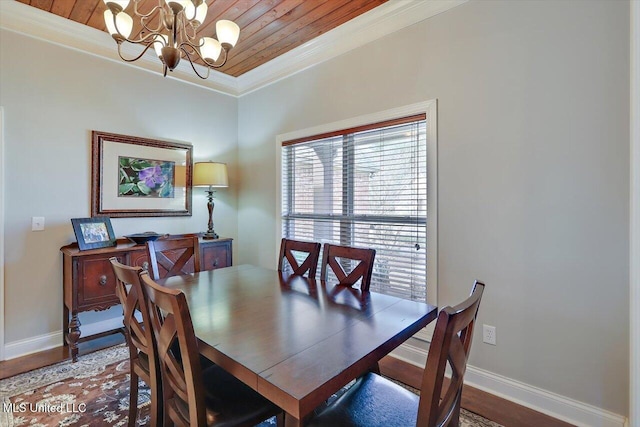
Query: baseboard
x=552 y=404
x=54 y=339
x=32 y=345
x=546 y=402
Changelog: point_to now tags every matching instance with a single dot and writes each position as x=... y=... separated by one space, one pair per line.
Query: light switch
x=37 y=223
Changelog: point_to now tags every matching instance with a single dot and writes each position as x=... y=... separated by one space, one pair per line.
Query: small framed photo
x=92 y=233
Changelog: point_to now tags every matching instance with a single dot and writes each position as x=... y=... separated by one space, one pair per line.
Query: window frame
x=429 y=108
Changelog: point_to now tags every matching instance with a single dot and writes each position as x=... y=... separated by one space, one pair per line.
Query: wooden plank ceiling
x=268 y=28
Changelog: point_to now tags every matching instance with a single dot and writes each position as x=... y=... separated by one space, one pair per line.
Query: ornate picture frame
x=92 y=233
x=139 y=177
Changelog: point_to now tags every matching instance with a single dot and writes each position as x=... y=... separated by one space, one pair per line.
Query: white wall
x=53 y=97
x=533 y=109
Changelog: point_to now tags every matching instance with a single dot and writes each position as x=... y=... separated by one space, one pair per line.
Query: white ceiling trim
x=36 y=23
x=379 y=22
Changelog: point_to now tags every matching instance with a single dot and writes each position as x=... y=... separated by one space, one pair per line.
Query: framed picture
x=134 y=176
x=92 y=233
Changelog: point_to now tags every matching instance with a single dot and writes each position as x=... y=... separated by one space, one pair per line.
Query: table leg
x=74 y=335
x=65 y=324
x=291 y=421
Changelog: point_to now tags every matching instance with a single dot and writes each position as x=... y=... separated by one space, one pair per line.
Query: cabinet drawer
x=216 y=256
x=139 y=259
x=97 y=283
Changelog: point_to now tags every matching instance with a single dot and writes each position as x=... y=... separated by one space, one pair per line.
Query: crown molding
x=378 y=22
x=48 y=27
x=370 y=26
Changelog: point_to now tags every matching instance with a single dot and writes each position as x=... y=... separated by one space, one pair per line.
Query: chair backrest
x=133 y=299
x=340 y=259
x=181 y=373
x=171 y=257
x=310 y=263
x=451 y=344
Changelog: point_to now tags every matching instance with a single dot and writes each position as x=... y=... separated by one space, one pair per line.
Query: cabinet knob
x=103 y=280
x=145 y=265
x=215 y=262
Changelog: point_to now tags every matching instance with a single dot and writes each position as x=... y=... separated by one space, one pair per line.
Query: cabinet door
x=97 y=282
x=216 y=255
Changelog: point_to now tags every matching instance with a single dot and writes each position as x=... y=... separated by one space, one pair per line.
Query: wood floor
x=489 y=406
x=9 y=368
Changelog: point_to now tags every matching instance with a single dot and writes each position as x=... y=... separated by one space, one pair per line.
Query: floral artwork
x=145 y=178
x=139 y=177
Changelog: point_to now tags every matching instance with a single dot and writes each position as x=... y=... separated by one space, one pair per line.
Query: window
x=365 y=186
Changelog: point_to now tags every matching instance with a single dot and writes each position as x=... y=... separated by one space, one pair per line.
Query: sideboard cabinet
x=89 y=283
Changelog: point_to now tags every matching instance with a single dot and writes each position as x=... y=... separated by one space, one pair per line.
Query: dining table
x=294 y=340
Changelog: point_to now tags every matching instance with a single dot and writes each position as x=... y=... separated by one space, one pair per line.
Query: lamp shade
x=227 y=32
x=122 y=3
x=210 y=49
x=210 y=174
x=124 y=23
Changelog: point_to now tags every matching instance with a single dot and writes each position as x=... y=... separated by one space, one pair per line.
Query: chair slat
x=140 y=340
x=173 y=255
x=308 y=266
x=333 y=254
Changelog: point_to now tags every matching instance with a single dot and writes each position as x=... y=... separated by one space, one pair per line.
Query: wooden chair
x=193 y=397
x=375 y=401
x=140 y=339
x=170 y=257
x=310 y=264
x=332 y=255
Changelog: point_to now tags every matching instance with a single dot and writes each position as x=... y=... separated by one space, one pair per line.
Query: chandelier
x=170 y=27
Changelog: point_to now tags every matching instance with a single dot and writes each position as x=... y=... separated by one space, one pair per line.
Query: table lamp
x=212 y=175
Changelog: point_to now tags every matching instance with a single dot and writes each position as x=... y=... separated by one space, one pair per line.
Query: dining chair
x=171 y=257
x=375 y=401
x=140 y=340
x=288 y=250
x=193 y=396
x=341 y=258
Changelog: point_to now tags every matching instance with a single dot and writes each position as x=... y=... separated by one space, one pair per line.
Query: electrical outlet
x=489 y=334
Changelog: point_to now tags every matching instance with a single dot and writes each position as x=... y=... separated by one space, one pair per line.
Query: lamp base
x=210 y=235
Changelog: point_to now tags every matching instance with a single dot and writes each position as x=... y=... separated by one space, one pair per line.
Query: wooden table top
x=294 y=341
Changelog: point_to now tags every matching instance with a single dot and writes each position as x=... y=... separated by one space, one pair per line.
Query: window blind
x=364 y=187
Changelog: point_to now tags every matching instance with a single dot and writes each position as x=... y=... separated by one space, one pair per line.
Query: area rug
x=94 y=391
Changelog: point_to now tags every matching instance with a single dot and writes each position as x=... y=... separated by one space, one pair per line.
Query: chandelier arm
x=146 y=15
x=197 y=51
x=180 y=33
x=122 y=38
x=193 y=46
x=144 y=39
x=137 y=57
x=145 y=18
x=193 y=66
x=187 y=35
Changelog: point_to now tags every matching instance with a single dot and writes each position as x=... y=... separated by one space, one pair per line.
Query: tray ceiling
x=268 y=28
